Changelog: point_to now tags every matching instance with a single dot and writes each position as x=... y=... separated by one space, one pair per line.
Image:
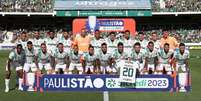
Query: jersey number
x=128 y=72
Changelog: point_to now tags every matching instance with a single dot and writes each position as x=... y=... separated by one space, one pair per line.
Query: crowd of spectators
x=26 y=5
x=48 y=5
x=176 y=5
x=183 y=33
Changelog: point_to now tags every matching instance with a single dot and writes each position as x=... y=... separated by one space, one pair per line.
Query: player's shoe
x=31 y=89
x=6 y=90
x=182 y=89
x=20 y=89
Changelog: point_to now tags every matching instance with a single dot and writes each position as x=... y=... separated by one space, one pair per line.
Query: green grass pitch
x=194 y=95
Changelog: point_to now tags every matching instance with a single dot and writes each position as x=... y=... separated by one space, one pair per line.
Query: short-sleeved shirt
x=112 y=45
x=128 y=44
x=143 y=44
x=180 y=58
x=51 y=44
x=43 y=57
x=16 y=58
x=138 y=57
x=89 y=59
x=117 y=56
x=74 y=58
x=156 y=44
x=83 y=42
x=164 y=57
x=171 y=41
x=66 y=42
x=30 y=54
x=151 y=56
x=97 y=44
x=23 y=43
x=37 y=43
x=60 y=57
x=104 y=58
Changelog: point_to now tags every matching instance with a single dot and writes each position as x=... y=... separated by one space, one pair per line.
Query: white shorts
x=28 y=66
x=78 y=66
x=166 y=66
x=183 y=67
x=108 y=69
x=60 y=66
x=91 y=68
x=151 y=67
x=15 y=66
x=46 y=66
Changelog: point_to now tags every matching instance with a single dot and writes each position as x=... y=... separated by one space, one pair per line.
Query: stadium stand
x=26 y=5
x=176 y=5
x=183 y=35
x=47 y=5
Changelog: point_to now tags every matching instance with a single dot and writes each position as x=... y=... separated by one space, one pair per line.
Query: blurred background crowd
x=183 y=34
x=47 y=5
x=26 y=5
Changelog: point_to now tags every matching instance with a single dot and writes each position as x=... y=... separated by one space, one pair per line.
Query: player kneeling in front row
x=29 y=66
x=60 y=59
x=16 y=60
x=182 y=66
x=75 y=60
x=138 y=55
x=89 y=61
x=43 y=59
x=117 y=57
x=151 y=59
x=165 y=60
x=104 y=61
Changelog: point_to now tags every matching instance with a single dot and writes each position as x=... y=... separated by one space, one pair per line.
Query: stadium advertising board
x=103 y=13
x=101 y=4
x=106 y=25
x=7 y=46
x=103 y=83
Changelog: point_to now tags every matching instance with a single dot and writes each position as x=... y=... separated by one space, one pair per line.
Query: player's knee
x=20 y=73
x=8 y=73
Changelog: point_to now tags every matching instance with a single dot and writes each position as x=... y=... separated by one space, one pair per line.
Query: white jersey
x=43 y=57
x=128 y=44
x=138 y=57
x=37 y=43
x=30 y=54
x=180 y=58
x=164 y=57
x=60 y=57
x=67 y=43
x=143 y=44
x=127 y=71
x=89 y=59
x=112 y=45
x=74 y=58
x=104 y=58
x=96 y=44
x=151 y=56
x=23 y=43
x=156 y=44
x=51 y=44
x=17 y=59
x=119 y=56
